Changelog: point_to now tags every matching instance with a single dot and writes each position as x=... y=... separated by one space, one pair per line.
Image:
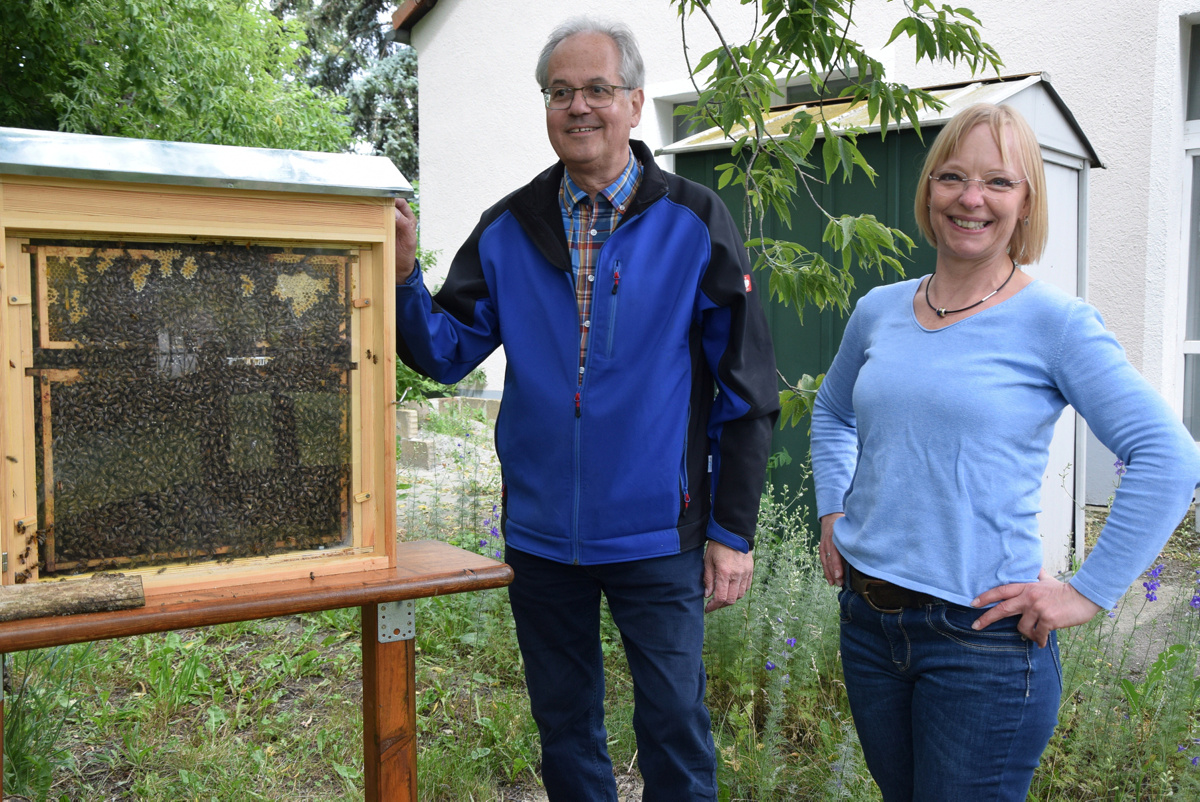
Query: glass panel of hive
x=193 y=402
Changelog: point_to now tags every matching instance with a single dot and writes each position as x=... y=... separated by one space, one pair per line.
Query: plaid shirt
x=588 y=225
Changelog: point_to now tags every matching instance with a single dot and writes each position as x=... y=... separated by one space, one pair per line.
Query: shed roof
x=1026 y=92
x=409 y=14
x=107 y=158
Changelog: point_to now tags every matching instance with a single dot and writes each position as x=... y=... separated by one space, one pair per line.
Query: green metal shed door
x=808 y=345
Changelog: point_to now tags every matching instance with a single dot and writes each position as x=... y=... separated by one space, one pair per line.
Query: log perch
x=101 y=593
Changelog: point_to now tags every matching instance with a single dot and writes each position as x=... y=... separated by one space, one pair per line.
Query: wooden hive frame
x=33 y=208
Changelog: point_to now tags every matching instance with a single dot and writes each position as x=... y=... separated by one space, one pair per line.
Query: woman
x=930 y=437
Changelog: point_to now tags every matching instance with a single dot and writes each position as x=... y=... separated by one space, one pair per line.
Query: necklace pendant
x=941 y=312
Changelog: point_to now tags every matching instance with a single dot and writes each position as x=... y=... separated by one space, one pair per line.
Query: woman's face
x=974 y=224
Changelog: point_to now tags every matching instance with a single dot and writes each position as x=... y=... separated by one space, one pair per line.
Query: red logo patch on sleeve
x=746 y=278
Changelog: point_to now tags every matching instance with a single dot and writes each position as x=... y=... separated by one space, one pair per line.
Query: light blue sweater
x=934 y=443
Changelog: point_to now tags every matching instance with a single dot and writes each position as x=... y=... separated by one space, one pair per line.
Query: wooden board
x=423 y=568
x=67 y=205
x=17 y=403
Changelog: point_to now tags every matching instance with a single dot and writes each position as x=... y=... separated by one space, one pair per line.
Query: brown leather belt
x=884 y=597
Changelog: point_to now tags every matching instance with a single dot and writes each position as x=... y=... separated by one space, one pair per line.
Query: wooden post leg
x=389 y=714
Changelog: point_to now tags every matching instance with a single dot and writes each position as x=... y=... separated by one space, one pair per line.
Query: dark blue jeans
x=658 y=606
x=945 y=713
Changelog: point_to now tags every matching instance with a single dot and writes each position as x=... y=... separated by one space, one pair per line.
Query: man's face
x=592 y=143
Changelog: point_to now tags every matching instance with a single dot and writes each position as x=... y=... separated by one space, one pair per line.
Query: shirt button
x=581 y=371
x=591 y=278
x=592 y=232
x=587 y=324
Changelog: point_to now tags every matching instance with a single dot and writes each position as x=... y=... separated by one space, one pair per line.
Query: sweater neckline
x=917 y=288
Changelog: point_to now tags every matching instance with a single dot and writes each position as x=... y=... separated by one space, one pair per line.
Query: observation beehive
x=198 y=363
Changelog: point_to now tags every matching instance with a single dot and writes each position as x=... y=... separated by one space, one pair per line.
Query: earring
x=1026 y=220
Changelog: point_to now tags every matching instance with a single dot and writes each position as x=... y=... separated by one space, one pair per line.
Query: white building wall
x=1116 y=65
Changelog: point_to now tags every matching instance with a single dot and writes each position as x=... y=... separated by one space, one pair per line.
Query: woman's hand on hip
x=831 y=559
x=1044 y=606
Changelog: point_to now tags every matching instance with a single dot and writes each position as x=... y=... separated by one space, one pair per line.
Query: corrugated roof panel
x=106 y=158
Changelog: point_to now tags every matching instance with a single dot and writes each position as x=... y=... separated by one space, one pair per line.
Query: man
x=638 y=405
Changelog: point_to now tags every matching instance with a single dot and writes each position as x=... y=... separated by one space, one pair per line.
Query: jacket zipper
x=575 y=479
x=683 y=475
x=612 y=310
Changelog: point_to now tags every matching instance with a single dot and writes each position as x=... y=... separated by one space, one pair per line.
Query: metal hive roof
x=105 y=158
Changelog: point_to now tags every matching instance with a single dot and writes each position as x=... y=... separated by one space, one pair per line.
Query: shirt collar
x=618 y=193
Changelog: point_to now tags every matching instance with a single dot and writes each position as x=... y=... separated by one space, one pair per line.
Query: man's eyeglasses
x=950 y=183
x=597 y=96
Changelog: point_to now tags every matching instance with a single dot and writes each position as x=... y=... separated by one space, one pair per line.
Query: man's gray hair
x=632 y=70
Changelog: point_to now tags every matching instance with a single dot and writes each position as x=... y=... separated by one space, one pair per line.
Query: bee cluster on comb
x=192 y=402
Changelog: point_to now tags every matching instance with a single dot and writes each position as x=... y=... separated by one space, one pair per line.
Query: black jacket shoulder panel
x=536 y=208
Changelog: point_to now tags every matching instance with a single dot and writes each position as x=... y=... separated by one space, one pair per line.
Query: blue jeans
x=945 y=713
x=658 y=606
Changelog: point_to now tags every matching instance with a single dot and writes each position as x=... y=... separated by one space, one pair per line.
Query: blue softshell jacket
x=665 y=442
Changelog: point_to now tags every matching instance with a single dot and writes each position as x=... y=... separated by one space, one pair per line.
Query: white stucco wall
x=1116 y=65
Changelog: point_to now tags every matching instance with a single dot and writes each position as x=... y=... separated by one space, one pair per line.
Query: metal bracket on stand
x=397 y=621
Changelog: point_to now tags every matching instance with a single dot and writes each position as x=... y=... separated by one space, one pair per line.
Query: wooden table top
x=423 y=568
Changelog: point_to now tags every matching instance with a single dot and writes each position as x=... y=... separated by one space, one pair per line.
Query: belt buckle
x=866 y=594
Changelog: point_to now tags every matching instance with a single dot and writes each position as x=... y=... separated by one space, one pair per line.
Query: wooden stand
x=424 y=568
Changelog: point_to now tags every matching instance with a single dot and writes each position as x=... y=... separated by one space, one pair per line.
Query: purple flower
x=1181 y=747
x=1196 y=761
x=1120 y=466
x=497 y=554
x=790 y=642
x=1153 y=584
x=1195 y=602
x=483 y=542
x=770 y=666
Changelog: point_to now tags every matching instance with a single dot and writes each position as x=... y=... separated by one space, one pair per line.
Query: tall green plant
x=36 y=710
x=774 y=687
x=813 y=38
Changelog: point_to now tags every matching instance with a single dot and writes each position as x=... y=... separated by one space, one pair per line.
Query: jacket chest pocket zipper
x=612 y=310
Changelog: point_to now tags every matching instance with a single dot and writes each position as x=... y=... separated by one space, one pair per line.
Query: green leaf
x=906 y=26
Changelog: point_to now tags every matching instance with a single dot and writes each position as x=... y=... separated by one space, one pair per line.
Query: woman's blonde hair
x=1029 y=236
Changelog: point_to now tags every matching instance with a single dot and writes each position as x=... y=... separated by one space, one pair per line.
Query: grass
x=272 y=709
